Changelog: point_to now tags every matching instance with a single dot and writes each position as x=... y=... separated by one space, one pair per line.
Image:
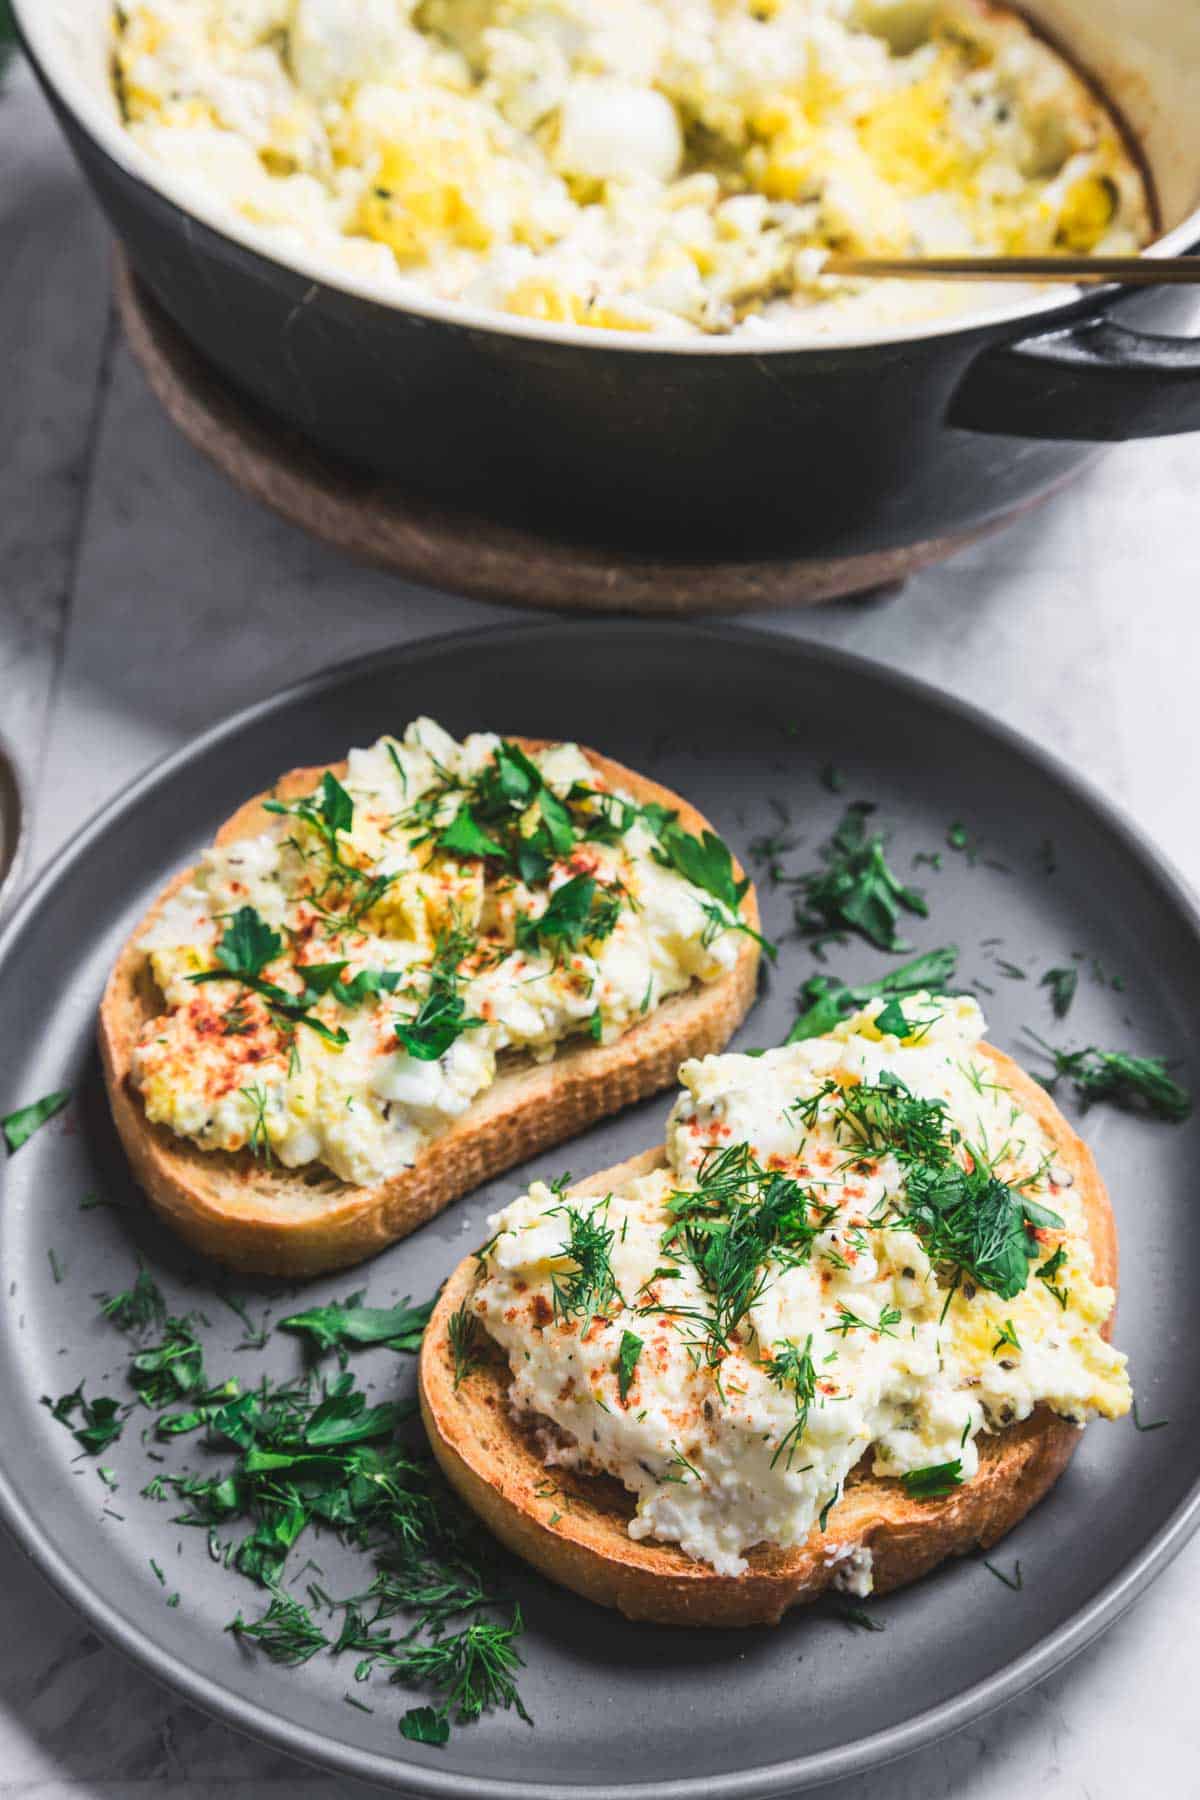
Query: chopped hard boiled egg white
x=860 y=1251
x=675 y=166
x=339 y=988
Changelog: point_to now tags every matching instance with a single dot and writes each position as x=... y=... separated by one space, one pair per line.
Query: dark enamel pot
x=839 y=451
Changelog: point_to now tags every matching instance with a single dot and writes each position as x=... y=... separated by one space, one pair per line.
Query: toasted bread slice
x=492 y=1459
x=304 y=1221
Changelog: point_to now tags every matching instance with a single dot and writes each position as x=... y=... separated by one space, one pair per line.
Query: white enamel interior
x=1145 y=54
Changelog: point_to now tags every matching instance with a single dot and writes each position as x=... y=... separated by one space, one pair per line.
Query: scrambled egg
x=669 y=166
x=853 y=1344
x=384 y=977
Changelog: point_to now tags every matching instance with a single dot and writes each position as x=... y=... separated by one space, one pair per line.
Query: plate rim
x=764 y=1779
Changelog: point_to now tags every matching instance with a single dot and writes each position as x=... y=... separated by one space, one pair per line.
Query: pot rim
x=41 y=28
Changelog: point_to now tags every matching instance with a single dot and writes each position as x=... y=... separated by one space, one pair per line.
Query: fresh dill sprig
x=286 y=1632
x=473 y=1670
x=462 y=1330
x=589 y=1286
x=1137 y=1083
x=736 y=1217
x=887 y=1115
x=137 y=1308
x=792 y=1369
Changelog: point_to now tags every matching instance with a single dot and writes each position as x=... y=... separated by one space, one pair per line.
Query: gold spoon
x=1138 y=271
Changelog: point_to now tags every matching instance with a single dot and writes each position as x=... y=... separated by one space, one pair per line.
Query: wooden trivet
x=376 y=522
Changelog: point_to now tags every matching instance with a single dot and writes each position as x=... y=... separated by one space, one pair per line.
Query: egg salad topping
x=341 y=987
x=861 y=1251
x=672 y=166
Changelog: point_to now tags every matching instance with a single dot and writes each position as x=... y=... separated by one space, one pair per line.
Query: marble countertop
x=143 y=598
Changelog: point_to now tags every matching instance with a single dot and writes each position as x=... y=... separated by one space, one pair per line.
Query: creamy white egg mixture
x=669 y=166
x=339 y=988
x=918 y=1273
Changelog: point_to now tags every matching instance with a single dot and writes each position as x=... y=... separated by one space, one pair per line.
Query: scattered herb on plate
x=20 y=1126
x=856 y=890
x=1062 y=984
x=1141 y=1084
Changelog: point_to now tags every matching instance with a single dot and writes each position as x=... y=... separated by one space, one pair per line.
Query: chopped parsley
x=103 y=1419
x=441 y=1018
x=827 y=1000
x=424 y=1725
x=627 y=1359
x=248 y=946
x=856 y=890
x=347 y=1324
x=976 y=1224
x=891 y=1022
x=464 y=836
x=20 y=1126
x=577 y=912
x=707 y=863
x=294 y=1456
x=1047 y=1272
x=933 y=1482
x=1062 y=984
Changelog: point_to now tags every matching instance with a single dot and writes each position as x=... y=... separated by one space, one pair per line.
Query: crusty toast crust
x=492 y=1460
x=306 y=1221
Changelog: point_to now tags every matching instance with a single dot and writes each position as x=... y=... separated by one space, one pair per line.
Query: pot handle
x=1098 y=382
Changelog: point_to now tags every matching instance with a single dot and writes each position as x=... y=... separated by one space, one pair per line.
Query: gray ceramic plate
x=738 y=722
x=12 y=822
